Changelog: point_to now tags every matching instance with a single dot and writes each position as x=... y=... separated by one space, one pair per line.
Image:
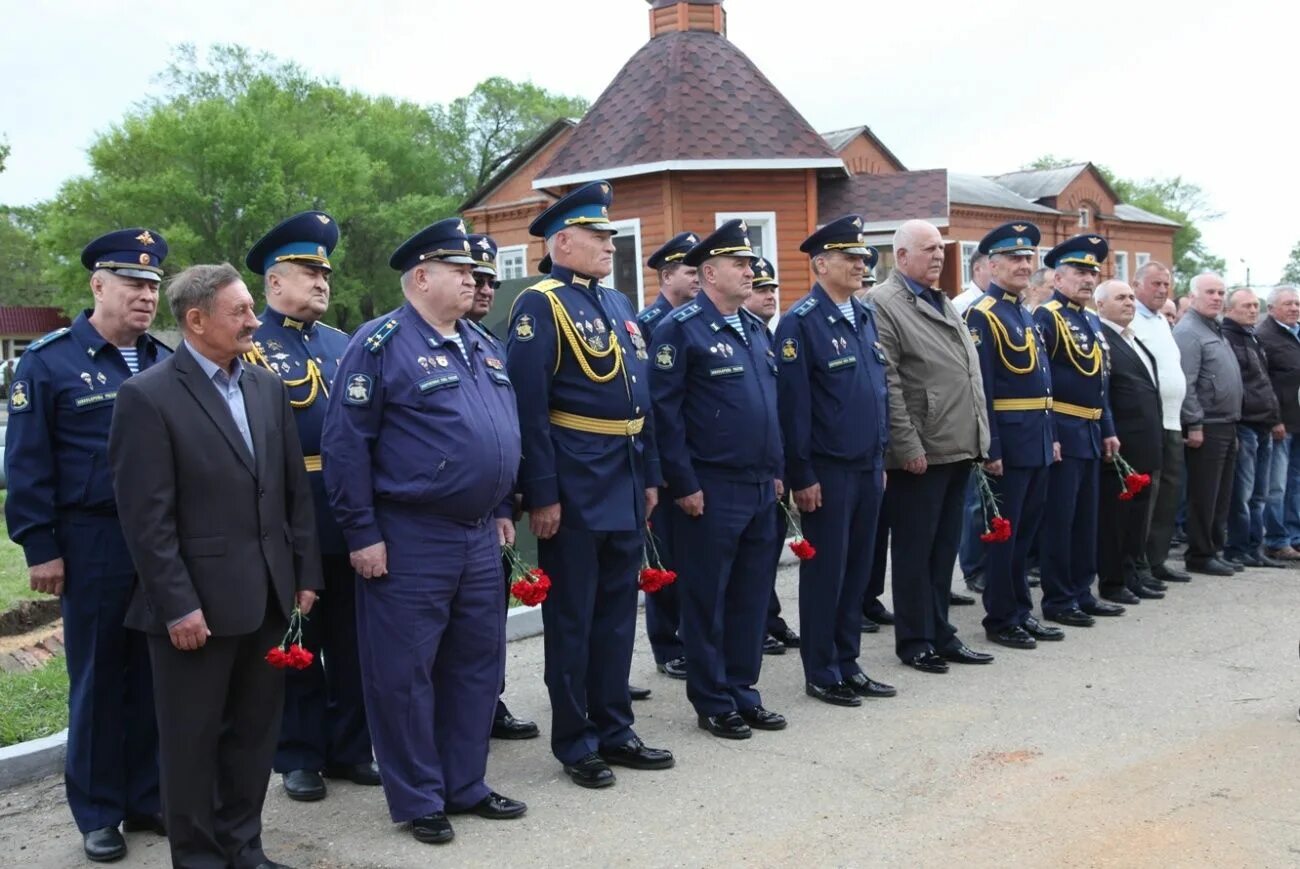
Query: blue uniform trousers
x=833 y=584
x=871 y=604
x=589 y=621
x=324 y=722
x=432 y=645
x=1021 y=494
x=663 y=609
x=972 y=554
x=930 y=508
x=1068 y=552
x=776 y=624
x=111 y=770
x=727 y=574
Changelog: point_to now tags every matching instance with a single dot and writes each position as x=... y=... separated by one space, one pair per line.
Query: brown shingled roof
x=19 y=320
x=885 y=199
x=687 y=96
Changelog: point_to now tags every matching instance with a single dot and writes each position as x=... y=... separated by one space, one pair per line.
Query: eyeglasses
x=485 y=281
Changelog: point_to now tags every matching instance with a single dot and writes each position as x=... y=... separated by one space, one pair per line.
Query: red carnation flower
x=296 y=655
x=802 y=548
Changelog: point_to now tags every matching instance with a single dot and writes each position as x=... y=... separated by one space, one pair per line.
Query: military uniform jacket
x=832 y=387
x=415 y=424
x=56 y=451
x=577 y=357
x=652 y=315
x=715 y=399
x=1017 y=380
x=1080 y=360
x=306 y=357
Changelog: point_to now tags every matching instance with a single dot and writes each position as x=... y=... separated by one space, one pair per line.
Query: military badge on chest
x=722 y=348
x=593 y=331
x=638 y=341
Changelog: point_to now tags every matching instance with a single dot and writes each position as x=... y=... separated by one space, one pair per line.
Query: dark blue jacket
x=1076 y=346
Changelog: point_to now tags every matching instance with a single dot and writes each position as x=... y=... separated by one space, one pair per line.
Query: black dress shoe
x=590 y=772
x=1210 y=566
x=433 y=829
x=728 y=725
x=1122 y=595
x=1101 y=608
x=964 y=654
x=145 y=824
x=869 y=627
x=1155 y=584
x=674 y=669
x=1237 y=566
x=1262 y=560
x=864 y=686
x=838 y=694
x=271 y=864
x=773 y=646
x=1075 y=618
x=303 y=785
x=879 y=615
x=1170 y=574
x=927 y=662
x=637 y=755
x=1146 y=593
x=638 y=693
x=976 y=583
x=368 y=773
x=763 y=719
x=104 y=845
x=788 y=637
x=1014 y=637
x=958 y=599
x=510 y=727
x=494 y=807
x=1040 y=631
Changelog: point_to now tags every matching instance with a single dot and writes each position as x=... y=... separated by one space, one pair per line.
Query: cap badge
x=322 y=218
x=144 y=238
x=320 y=250
x=1019 y=228
x=1094 y=240
x=483 y=243
x=144 y=259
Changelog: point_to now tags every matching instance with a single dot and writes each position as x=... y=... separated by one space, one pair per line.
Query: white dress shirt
x=1152 y=329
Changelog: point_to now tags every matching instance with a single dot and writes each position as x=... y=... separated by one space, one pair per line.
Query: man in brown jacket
x=938 y=429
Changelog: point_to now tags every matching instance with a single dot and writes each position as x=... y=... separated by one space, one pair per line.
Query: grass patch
x=33 y=704
x=14 y=582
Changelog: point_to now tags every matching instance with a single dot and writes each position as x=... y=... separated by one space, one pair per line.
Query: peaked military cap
x=308 y=238
x=730 y=239
x=674 y=250
x=764 y=274
x=868 y=278
x=133 y=253
x=843 y=234
x=1011 y=239
x=1084 y=251
x=587 y=206
x=484 y=251
x=445 y=240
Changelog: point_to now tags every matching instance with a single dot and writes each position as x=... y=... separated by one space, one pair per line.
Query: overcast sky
x=1205 y=91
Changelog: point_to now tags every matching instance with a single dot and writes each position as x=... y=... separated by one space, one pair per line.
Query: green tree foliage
x=1291 y=271
x=237 y=142
x=22 y=260
x=4 y=154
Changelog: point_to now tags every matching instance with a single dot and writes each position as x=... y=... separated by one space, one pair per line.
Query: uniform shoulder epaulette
x=381 y=335
x=1054 y=305
x=804 y=307
x=545 y=286
x=320 y=325
x=49 y=339
x=684 y=313
x=154 y=338
x=649 y=315
x=985 y=304
x=481 y=329
x=748 y=314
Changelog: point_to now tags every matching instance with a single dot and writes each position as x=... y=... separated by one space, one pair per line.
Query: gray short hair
x=1149 y=266
x=1193 y=286
x=197 y=286
x=1275 y=295
x=1103 y=291
x=1238 y=291
x=1037 y=279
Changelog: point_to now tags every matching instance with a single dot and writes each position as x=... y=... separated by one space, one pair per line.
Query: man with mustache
x=60 y=511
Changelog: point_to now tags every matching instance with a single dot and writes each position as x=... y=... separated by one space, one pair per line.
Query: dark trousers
x=324 y=720
x=973 y=551
x=1021 y=495
x=1069 y=540
x=833 y=584
x=871 y=605
x=502 y=710
x=1122 y=528
x=1165 y=489
x=663 y=609
x=1210 y=469
x=590 y=625
x=930 y=508
x=776 y=624
x=219 y=712
x=111 y=769
x=727 y=573
x=432 y=643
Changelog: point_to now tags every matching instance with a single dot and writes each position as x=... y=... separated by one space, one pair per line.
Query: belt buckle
x=630 y=427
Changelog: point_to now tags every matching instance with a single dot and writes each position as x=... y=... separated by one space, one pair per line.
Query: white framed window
x=1142 y=258
x=762 y=238
x=968 y=251
x=512 y=262
x=628 y=276
x=1042 y=256
x=1121 y=265
x=1085 y=217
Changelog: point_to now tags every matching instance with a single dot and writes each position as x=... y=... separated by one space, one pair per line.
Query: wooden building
x=691 y=133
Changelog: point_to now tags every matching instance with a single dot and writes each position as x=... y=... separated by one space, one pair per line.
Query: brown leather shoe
x=1286 y=553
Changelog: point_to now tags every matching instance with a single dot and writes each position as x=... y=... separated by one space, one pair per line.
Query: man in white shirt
x=1152 y=284
x=979 y=282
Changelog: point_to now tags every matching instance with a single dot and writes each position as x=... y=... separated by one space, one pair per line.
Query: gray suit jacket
x=208 y=526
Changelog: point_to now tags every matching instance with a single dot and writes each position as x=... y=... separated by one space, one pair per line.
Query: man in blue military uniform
x=60 y=509
x=483 y=248
x=1073 y=339
x=420 y=451
x=714 y=386
x=835 y=417
x=762 y=303
x=1022 y=433
x=678 y=284
x=589 y=477
x=324 y=725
